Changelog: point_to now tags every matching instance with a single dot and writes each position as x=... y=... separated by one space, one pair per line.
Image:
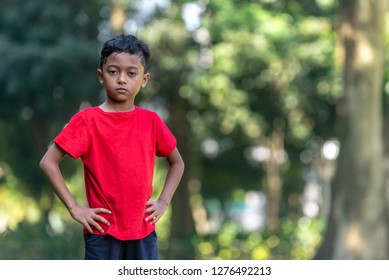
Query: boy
x=117 y=143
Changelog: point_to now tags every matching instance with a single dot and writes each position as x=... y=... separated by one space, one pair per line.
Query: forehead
x=124 y=60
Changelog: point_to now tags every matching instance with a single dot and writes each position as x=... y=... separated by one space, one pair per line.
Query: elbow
x=43 y=163
x=179 y=166
x=182 y=166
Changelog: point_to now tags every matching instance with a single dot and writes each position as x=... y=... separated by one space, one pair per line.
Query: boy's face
x=122 y=76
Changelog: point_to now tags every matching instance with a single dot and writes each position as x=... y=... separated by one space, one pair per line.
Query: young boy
x=117 y=143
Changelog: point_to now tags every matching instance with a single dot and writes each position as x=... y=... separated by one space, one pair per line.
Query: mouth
x=122 y=90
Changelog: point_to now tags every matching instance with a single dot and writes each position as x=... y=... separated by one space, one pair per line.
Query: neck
x=117 y=107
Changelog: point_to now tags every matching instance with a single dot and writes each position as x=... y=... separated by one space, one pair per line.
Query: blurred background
x=279 y=107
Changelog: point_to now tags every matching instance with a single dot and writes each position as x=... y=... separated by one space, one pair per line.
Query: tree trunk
x=358 y=225
x=182 y=223
x=273 y=178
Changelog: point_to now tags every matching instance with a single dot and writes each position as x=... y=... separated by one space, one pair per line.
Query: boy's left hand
x=157 y=209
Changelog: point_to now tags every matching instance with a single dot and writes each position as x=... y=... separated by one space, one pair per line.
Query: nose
x=121 y=78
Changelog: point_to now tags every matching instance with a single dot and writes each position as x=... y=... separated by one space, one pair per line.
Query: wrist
x=71 y=208
x=163 y=202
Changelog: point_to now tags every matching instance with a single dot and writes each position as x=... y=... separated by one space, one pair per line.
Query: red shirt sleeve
x=73 y=139
x=166 y=142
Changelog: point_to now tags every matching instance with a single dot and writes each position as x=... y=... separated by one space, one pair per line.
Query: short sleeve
x=73 y=138
x=166 y=142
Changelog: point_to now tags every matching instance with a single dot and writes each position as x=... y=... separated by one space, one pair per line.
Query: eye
x=131 y=74
x=111 y=72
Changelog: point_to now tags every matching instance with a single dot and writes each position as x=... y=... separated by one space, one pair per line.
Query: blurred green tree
x=49 y=60
x=250 y=89
x=48 y=70
x=358 y=224
x=262 y=96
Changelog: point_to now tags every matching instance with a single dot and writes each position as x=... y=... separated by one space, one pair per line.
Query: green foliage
x=271 y=65
x=260 y=64
x=35 y=242
x=251 y=64
x=297 y=240
x=29 y=232
x=49 y=60
x=48 y=68
x=386 y=74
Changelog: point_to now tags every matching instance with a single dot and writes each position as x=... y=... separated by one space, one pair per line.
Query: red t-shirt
x=118 y=151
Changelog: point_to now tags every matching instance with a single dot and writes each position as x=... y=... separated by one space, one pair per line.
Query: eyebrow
x=129 y=67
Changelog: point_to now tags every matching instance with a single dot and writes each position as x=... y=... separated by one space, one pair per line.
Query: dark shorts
x=106 y=247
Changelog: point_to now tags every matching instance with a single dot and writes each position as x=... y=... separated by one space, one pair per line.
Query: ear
x=100 y=76
x=146 y=78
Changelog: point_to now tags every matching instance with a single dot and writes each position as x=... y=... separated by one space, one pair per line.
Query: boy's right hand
x=89 y=217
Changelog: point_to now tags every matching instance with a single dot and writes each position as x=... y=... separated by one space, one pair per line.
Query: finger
x=151 y=217
x=150 y=202
x=155 y=219
x=102 y=220
x=150 y=209
x=88 y=228
x=96 y=226
x=102 y=210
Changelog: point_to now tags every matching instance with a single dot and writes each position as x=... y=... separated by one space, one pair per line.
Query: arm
x=173 y=177
x=50 y=167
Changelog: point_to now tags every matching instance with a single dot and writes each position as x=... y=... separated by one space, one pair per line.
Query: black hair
x=127 y=44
